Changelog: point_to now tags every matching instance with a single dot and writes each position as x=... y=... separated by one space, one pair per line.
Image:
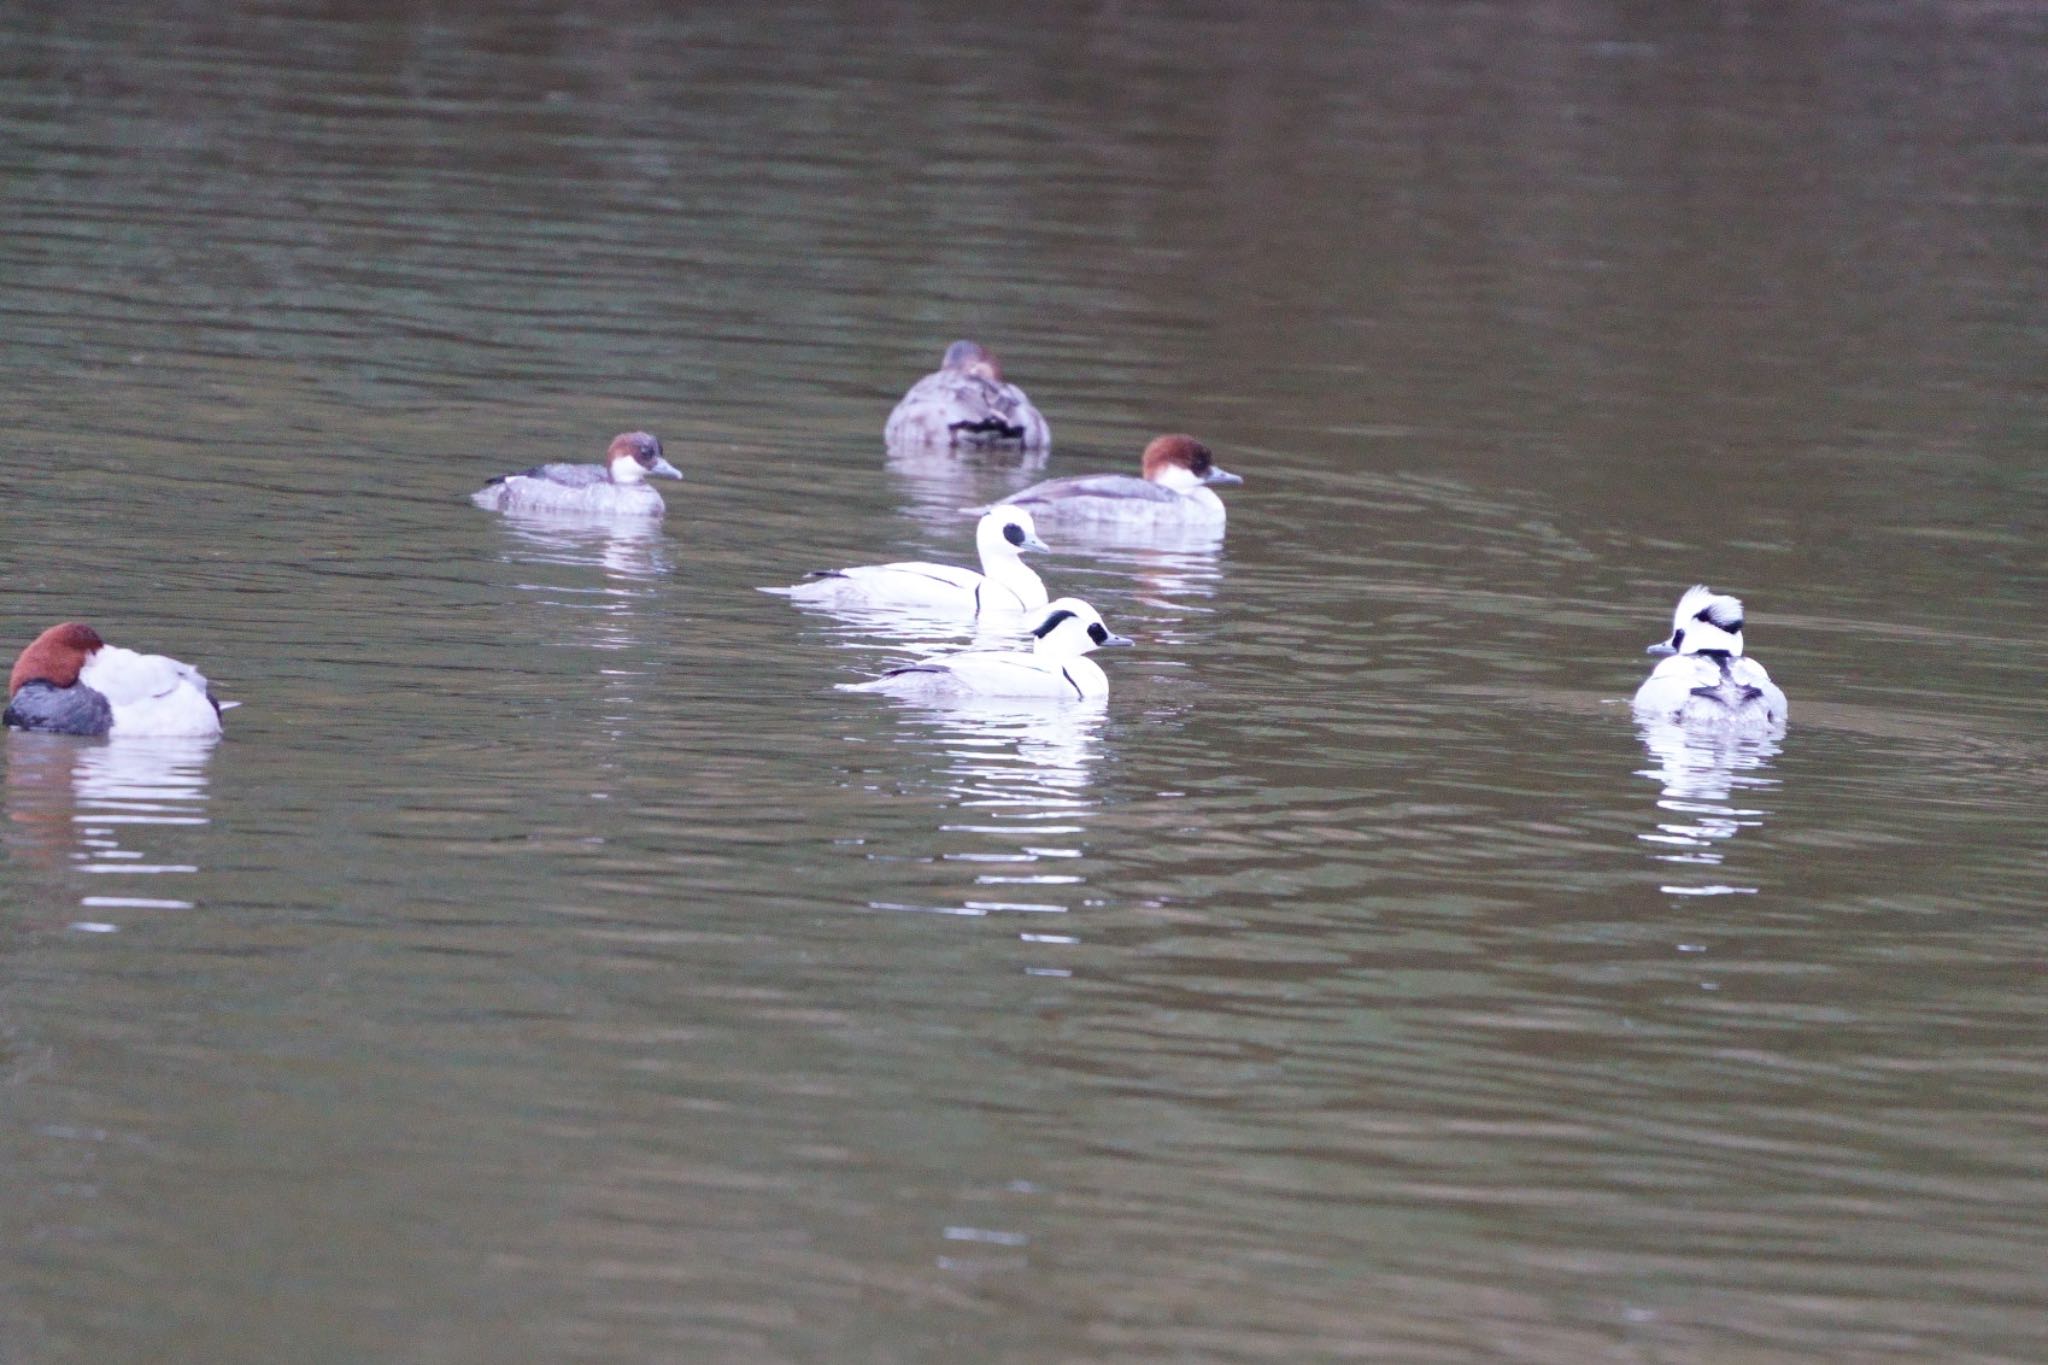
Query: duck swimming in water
x=965 y=405
x=617 y=488
x=1056 y=669
x=1176 y=491
x=71 y=682
x=1708 y=681
x=1005 y=583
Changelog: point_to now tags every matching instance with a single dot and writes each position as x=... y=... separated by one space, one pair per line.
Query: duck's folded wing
x=567 y=475
x=1119 y=486
x=948 y=575
x=59 y=710
x=1006 y=674
x=128 y=678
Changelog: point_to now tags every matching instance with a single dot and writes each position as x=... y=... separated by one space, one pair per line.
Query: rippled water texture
x=550 y=964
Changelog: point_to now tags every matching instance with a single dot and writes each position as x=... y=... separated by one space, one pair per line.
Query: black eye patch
x=1678 y=639
x=1097 y=633
x=1014 y=533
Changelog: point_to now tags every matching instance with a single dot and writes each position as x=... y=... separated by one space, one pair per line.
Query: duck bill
x=1117 y=642
x=1034 y=543
x=1661 y=647
x=664 y=470
x=1221 y=476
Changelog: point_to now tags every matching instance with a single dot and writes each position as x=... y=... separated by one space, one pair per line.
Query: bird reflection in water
x=76 y=806
x=630 y=555
x=1703 y=773
x=941 y=484
x=1015 y=777
x=630 y=552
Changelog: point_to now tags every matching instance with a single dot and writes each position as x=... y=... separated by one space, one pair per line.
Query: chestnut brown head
x=55 y=656
x=971 y=357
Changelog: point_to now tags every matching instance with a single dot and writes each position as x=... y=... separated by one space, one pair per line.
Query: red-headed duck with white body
x=966 y=405
x=1177 y=491
x=615 y=489
x=71 y=682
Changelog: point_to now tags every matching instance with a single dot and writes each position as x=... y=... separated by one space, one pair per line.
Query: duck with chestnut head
x=966 y=405
x=69 y=681
x=1175 y=489
x=615 y=489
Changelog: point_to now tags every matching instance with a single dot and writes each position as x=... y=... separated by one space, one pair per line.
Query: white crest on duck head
x=1705 y=622
x=1006 y=531
x=1070 y=626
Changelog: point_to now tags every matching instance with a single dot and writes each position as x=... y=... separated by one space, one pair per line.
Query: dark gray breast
x=73 y=710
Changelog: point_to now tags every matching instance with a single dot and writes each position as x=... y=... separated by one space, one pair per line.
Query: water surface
x=551 y=964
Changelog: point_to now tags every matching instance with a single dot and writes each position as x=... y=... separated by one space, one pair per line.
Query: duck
x=1708 y=680
x=965 y=405
x=1056 y=669
x=1176 y=490
x=617 y=488
x=69 y=681
x=1005 y=583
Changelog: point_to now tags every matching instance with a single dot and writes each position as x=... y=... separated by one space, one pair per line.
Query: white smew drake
x=1056 y=669
x=1004 y=583
x=71 y=682
x=1708 y=681
x=616 y=488
x=1177 y=489
x=965 y=405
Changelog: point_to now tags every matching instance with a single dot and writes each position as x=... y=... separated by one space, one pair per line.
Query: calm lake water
x=550 y=965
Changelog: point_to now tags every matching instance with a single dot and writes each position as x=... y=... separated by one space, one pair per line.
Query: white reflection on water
x=1172 y=567
x=944 y=485
x=1016 y=776
x=920 y=631
x=77 y=806
x=629 y=552
x=631 y=557
x=1702 y=772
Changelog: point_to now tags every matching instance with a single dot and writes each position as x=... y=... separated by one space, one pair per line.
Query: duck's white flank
x=1056 y=669
x=1005 y=583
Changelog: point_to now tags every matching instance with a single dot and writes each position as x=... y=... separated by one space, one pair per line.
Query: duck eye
x=1014 y=533
x=1097 y=632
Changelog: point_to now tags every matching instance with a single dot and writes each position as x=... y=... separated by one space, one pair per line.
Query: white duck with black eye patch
x=1056 y=669
x=1004 y=584
x=1708 y=680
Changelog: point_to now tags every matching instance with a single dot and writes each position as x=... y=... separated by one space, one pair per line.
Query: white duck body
x=615 y=490
x=966 y=405
x=1708 y=682
x=1056 y=669
x=1176 y=492
x=1005 y=583
x=151 y=694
